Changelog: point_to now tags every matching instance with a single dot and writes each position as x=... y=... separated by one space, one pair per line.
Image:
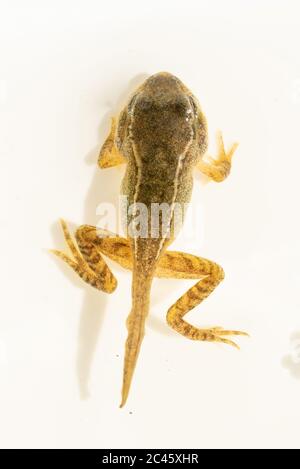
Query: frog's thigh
x=181 y=265
x=102 y=241
x=109 y=154
x=86 y=260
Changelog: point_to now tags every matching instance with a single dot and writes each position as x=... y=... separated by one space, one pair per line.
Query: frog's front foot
x=218 y=168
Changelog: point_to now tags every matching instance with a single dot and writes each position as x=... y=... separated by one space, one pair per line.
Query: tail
x=141 y=286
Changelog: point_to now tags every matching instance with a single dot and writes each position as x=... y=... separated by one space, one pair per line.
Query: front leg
x=109 y=155
x=218 y=169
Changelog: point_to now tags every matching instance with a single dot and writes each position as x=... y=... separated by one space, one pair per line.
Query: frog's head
x=163 y=87
x=161 y=116
x=163 y=113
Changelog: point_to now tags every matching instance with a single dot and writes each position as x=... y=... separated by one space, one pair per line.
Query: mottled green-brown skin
x=161 y=135
x=161 y=125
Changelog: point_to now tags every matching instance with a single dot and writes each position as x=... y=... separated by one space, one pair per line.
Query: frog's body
x=162 y=136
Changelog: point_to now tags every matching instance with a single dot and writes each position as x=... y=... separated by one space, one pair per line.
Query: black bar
x=104 y=457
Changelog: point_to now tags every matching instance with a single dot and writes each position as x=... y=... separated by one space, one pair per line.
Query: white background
x=65 y=69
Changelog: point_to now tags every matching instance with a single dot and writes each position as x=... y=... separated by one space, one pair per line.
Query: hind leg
x=87 y=261
x=181 y=265
x=175 y=264
x=91 y=267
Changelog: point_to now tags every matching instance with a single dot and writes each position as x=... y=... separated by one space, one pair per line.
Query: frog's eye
x=180 y=107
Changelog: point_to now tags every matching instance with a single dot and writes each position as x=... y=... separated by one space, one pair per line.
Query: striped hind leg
x=86 y=259
x=90 y=265
x=173 y=264
x=181 y=265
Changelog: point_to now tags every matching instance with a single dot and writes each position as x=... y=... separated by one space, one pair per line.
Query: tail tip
x=123 y=402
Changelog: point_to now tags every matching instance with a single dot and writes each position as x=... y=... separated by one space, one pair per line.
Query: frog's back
x=162 y=136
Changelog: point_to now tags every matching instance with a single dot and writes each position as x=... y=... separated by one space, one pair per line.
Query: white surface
x=65 y=67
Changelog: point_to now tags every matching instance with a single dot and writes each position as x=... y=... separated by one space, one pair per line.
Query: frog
x=161 y=136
